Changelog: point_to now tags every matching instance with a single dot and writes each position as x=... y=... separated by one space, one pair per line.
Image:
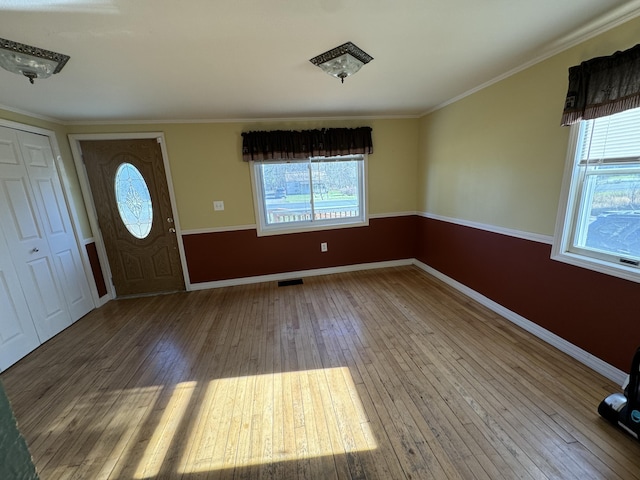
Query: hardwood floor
x=385 y=374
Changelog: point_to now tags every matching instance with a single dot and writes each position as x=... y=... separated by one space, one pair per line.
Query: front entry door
x=131 y=197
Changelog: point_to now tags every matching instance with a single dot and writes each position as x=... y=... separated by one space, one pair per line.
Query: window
x=134 y=200
x=599 y=218
x=312 y=194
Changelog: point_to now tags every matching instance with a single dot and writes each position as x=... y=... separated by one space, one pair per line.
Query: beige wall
x=497 y=157
x=206 y=165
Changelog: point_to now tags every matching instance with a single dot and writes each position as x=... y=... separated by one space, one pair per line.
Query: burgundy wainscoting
x=593 y=311
x=96 y=269
x=241 y=253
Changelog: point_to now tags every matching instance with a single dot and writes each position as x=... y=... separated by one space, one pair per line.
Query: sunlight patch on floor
x=260 y=419
x=160 y=442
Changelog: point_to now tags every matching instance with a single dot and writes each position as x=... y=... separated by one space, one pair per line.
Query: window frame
x=569 y=215
x=264 y=229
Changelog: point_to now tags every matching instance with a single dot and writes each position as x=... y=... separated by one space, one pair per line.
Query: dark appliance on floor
x=624 y=410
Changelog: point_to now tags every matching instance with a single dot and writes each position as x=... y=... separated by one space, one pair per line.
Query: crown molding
x=602 y=24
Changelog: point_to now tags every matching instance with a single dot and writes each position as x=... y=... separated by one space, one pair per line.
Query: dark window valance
x=327 y=142
x=603 y=86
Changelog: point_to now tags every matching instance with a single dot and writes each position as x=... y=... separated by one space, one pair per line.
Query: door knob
x=172 y=230
x=35 y=250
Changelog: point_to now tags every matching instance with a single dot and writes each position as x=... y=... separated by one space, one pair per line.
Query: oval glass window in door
x=134 y=200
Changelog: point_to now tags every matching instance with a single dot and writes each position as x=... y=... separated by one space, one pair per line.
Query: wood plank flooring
x=380 y=374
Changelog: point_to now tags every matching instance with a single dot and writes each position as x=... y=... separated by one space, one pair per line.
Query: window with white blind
x=599 y=218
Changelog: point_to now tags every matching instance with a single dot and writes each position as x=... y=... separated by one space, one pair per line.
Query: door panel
x=32 y=257
x=51 y=203
x=17 y=333
x=25 y=223
x=39 y=236
x=138 y=265
x=56 y=222
x=27 y=243
x=67 y=269
x=8 y=148
x=46 y=293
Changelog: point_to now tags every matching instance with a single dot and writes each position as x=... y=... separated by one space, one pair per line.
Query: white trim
x=174 y=208
x=534 y=237
x=233 y=228
x=567 y=209
x=312 y=227
x=32 y=115
x=75 y=222
x=28 y=128
x=392 y=214
x=604 y=23
x=66 y=189
x=87 y=197
x=88 y=240
x=74 y=142
x=597 y=265
x=238 y=120
x=264 y=229
x=300 y=274
x=230 y=228
x=563 y=214
x=76 y=137
x=584 y=357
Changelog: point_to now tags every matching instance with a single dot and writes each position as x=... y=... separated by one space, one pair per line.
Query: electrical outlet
x=218 y=205
x=323 y=247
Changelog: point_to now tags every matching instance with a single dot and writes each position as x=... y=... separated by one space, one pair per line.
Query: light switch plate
x=218 y=205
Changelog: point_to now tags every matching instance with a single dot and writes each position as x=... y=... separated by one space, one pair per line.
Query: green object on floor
x=15 y=460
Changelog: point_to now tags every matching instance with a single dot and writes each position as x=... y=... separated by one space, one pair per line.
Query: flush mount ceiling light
x=342 y=61
x=32 y=62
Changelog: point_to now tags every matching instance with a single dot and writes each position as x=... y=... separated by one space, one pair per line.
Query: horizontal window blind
x=611 y=140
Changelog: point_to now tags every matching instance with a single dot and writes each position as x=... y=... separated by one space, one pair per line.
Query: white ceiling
x=249 y=59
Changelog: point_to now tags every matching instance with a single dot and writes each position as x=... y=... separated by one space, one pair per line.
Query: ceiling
x=249 y=59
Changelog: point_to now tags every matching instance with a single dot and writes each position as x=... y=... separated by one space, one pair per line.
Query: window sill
x=288 y=229
x=602 y=266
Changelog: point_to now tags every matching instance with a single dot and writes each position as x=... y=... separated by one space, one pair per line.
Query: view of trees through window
x=608 y=162
x=315 y=190
x=612 y=208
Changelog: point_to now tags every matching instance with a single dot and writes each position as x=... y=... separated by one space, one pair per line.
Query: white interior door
x=38 y=234
x=28 y=244
x=17 y=333
x=40 y=164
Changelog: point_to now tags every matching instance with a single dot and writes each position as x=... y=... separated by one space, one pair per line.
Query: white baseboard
x=591 y=361
x=300 y=274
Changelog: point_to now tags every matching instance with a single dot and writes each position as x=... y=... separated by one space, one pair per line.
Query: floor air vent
x=286 y=283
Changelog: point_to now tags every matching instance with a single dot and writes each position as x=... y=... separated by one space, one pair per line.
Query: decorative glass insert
x=134 y=200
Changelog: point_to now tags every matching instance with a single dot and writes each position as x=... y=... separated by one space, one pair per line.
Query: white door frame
x=76 y=151
x=66 y=191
